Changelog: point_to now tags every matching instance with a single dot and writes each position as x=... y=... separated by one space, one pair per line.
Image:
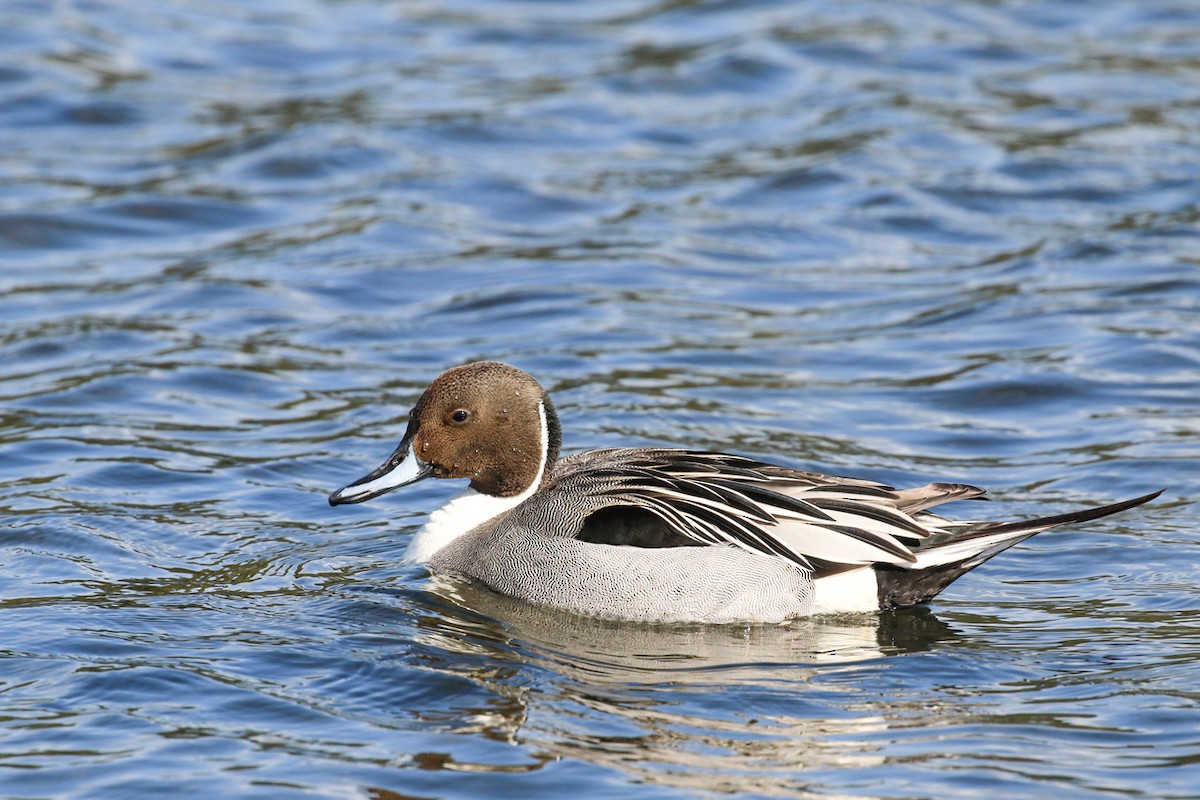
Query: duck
x=668 y=535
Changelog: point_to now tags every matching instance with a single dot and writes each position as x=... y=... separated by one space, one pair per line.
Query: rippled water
x=909 y=242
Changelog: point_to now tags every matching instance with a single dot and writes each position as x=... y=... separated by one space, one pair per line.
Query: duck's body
x=668 y=535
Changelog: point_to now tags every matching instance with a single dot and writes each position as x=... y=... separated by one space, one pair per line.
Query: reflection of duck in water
x=660 y=534
x=735 y=708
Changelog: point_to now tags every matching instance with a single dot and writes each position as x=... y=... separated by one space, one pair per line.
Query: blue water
x=945 y=241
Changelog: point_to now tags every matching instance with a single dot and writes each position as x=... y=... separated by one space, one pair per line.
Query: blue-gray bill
x=401 y=468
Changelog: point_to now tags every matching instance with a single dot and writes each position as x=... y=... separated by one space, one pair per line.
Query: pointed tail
x=1086 y=515
x=940 y=563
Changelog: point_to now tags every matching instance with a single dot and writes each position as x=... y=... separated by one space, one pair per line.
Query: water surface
x=954 y=241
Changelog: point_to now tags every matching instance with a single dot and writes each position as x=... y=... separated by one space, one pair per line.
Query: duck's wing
x=812 y=519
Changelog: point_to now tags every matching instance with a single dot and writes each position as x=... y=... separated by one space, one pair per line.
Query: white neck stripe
x=544 y=444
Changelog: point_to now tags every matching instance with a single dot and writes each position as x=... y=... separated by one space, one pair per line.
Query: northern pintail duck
x=667 y=535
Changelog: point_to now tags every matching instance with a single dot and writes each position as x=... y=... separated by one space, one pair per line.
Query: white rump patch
x=852 y=591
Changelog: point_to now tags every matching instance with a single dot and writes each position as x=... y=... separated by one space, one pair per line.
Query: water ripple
x=237 y=240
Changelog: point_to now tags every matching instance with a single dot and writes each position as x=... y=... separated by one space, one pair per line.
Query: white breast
x=462 y=514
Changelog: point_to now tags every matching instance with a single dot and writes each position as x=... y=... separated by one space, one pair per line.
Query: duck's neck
x=471 y=508
x=516 y=460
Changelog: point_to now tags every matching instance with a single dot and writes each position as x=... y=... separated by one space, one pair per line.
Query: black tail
x=1043 y=523
x=900 y=587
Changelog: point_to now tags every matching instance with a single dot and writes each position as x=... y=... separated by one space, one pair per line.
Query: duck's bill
x=402 y=468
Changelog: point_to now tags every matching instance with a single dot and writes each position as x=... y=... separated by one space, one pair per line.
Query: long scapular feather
x=762 y=494
x=887 y=516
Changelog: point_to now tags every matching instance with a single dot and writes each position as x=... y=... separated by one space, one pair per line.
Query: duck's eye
x=461 y=415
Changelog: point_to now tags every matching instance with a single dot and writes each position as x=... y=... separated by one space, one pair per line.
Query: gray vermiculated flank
x=720 y=583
